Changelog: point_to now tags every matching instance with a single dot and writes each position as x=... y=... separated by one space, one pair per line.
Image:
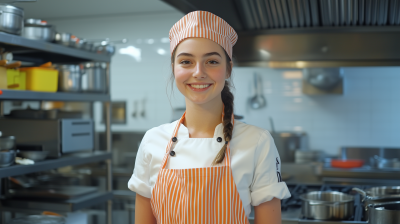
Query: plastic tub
x=41 y=79
x=16 y=79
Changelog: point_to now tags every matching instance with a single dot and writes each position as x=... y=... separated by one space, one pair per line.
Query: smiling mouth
x=199 y=88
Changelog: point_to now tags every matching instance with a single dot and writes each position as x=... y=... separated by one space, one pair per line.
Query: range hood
x=309 y=33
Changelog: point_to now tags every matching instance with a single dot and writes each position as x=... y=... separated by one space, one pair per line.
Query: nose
x=199 y=71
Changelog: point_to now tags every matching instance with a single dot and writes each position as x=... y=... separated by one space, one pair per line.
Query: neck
x=201 y=119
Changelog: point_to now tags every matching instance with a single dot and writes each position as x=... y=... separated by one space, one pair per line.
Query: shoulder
x=250 y=132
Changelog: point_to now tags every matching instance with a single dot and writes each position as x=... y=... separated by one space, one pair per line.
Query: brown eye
x=185 y=62
x=213 y=62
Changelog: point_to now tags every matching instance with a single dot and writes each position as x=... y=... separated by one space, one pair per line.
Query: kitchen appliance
x=57 y=136
x=7 y=157
x=69 y=78
x=385 y=213
x=37 y=29
x=325 y=205
x=94 y=77
x=11 y=19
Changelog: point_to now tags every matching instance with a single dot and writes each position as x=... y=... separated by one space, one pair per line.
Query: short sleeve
x=267 y=183
x=139 y=181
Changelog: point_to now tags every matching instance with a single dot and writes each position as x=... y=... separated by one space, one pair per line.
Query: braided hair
x=227 y=100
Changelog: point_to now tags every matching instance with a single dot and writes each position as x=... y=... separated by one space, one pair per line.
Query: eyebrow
x=205 y=55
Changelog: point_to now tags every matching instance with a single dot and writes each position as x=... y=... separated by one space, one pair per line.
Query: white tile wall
x=366 y=115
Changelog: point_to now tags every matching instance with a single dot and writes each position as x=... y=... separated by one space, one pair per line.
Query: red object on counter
x=1 y=92
x=348 y=163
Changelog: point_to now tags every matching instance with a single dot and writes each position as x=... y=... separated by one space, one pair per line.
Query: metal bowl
x=34 y=155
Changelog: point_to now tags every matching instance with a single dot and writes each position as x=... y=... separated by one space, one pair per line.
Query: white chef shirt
x=255 y=161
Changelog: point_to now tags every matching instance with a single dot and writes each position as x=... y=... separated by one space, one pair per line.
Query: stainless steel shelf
x=40 y=51
x=47 y=96
x=69 y=160
x=69 y=205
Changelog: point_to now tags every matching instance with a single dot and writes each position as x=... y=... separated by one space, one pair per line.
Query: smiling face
x=200 y=69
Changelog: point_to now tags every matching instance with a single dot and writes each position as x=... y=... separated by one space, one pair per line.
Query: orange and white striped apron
x=198 y=195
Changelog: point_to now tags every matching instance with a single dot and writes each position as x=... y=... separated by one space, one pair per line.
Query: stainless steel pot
x=288 y=143
x=63 y=38
x=7 y=157
x=7 y=142
x=324 y=205
x=69 y=78
x=385 y=213
x=37 y=29
x=376 y=195
x=94 y=77
x=11 y=19
x=106 y=49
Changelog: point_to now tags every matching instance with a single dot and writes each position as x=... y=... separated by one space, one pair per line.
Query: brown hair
x=227 y=100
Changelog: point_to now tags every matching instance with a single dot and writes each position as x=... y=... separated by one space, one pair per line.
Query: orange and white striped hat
x=206 y=25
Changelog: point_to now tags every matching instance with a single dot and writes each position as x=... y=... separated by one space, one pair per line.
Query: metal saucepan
x=327 y=205
x=37 y=29
x=11 y=19
x=34 y=155
x=63 y=38
x=384 y=213
x=69 y=78
x=7 y=157
x=381 y=194
x=94 y=77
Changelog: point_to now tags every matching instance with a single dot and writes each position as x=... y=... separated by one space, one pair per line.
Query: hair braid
x=227 y=99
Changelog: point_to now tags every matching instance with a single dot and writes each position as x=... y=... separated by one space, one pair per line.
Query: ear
x=228 y=75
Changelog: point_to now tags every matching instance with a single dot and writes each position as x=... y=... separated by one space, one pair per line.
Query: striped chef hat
x=206 y=25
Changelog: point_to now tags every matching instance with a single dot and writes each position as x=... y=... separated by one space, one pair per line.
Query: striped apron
x=198 y=195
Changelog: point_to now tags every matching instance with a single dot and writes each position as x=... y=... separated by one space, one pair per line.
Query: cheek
x=218 y=74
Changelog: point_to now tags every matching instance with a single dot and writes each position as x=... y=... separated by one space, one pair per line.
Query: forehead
x=198 y=46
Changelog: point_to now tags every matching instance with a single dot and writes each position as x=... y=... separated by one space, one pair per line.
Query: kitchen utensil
x=380 y=194
x=37 y=29
x=288 y=143
x=34 y=155
x=89 y=46
x=11 y=19
x=69 y=78
x=52 y=192
x=41 y=79
x=39 y=219
x=94 y=77
x=106 y=49
x=347 y=163
x=63 y=38
x=7 y=142
x=7 y=157
x=384 y=213
x=257 y=101
x=324 y=205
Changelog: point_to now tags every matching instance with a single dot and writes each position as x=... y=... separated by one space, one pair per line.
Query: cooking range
x=291 y=207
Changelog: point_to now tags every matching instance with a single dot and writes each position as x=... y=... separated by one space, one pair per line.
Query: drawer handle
x=80 y=134
x=80 y=123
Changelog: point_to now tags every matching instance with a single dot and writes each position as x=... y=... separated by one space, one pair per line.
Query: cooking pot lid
x=11 y=9
x=36 y=22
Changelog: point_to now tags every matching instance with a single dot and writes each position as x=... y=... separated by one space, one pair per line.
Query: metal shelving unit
x=39 y=52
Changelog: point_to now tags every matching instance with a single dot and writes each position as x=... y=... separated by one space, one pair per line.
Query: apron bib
x=199 y=195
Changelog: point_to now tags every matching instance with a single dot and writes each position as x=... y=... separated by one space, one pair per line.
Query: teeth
x=200 y=86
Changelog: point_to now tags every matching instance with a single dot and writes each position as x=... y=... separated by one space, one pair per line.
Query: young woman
x=206 y=167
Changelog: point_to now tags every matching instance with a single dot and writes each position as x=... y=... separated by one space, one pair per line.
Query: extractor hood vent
x=309 y=33
x=272 y=14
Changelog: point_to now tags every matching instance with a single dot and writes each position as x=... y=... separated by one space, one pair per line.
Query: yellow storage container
x=41 y=79
x=3 y=77
x=16 y=79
